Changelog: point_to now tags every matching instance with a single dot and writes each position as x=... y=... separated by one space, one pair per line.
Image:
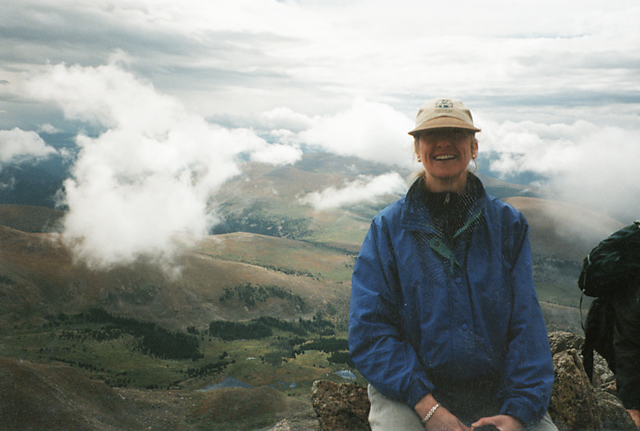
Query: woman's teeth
x=448 y=157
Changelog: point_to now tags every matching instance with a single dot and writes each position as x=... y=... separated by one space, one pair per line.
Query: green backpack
x=612 y=265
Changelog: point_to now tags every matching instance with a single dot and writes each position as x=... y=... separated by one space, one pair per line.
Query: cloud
x=592 y=166
x=225 y=58
x=48 y=128
x=150 y=175
x=277 y=154
x=10 y=184
x=285 y=118
x=19 y=146
x=368 y=130
x=531 y=71
x=366 y=189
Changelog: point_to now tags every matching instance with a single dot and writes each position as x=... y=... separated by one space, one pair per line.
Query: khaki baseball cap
x=443 y=112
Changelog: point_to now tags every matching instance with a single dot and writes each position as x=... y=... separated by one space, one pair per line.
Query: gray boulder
x=561 y=341
x=577 y=404
x=612 y=413
x=573 y=403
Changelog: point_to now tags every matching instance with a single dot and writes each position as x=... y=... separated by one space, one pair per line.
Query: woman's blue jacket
x=422 y=312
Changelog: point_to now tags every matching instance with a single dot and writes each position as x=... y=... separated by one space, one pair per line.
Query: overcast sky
x=180 y=89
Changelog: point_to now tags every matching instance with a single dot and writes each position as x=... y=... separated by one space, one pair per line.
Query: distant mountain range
x=268 y=238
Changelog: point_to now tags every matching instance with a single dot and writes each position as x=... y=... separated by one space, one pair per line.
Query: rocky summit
x=576 y=404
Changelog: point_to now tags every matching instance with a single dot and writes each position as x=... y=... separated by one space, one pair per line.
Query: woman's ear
x=474 y=148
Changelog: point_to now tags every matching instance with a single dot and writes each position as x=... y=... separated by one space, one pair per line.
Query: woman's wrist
x=428 y=415
x=425 y=406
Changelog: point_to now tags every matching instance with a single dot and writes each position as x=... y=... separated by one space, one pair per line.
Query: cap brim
x=444 y=122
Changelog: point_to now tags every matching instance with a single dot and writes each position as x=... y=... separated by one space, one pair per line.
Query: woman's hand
x=635 y=415
x=502 y=422
x=442 y=419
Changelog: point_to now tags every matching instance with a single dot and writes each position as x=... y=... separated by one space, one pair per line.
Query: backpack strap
x=580 y=308
x=599 y=335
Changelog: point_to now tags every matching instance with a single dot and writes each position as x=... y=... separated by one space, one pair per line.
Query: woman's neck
x=453 y=184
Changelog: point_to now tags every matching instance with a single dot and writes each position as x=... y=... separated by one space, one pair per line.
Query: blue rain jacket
x=425 y=315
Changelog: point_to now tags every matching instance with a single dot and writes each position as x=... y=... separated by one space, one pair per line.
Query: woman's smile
x=445 y=155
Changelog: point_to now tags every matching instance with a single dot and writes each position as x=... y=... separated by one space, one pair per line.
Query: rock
x=283 y=425
x=341 y=407
x=573 y=404
x=576 y=404
x=603 y=377
x=613 y=414
x=560 y=341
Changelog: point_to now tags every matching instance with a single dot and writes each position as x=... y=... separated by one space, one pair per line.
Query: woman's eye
x=455 y=135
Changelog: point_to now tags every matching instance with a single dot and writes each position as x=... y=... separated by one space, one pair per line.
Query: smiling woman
x=445 y=323
x=445 y=155
x=445 y=143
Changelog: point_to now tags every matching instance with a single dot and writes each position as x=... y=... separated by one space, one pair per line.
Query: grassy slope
x=120 y=363
x=37 y=396
x=563 y=230
x=38 y=277
x=30 y=218
x=304 y=257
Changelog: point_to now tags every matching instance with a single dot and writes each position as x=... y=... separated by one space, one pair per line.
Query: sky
x=165 y=98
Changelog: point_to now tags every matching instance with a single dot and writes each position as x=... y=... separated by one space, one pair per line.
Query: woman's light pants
x=389 y=415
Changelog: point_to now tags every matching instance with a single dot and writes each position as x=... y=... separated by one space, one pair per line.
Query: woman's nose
x=443 y=141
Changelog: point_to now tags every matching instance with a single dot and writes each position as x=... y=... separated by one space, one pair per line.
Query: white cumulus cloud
x=369 y=130
x=285 y=118
x=151 y=173
x=277 y=154
x=17 y=146
x=366 y=189
x=592 y=166
x=48 y=128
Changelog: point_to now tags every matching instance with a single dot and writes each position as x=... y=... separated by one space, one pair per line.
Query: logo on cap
x=444 y=104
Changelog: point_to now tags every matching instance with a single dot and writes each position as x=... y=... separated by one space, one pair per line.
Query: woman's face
x=445 y=155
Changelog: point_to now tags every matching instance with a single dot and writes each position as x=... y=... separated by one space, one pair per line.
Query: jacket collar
x=416 y=216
